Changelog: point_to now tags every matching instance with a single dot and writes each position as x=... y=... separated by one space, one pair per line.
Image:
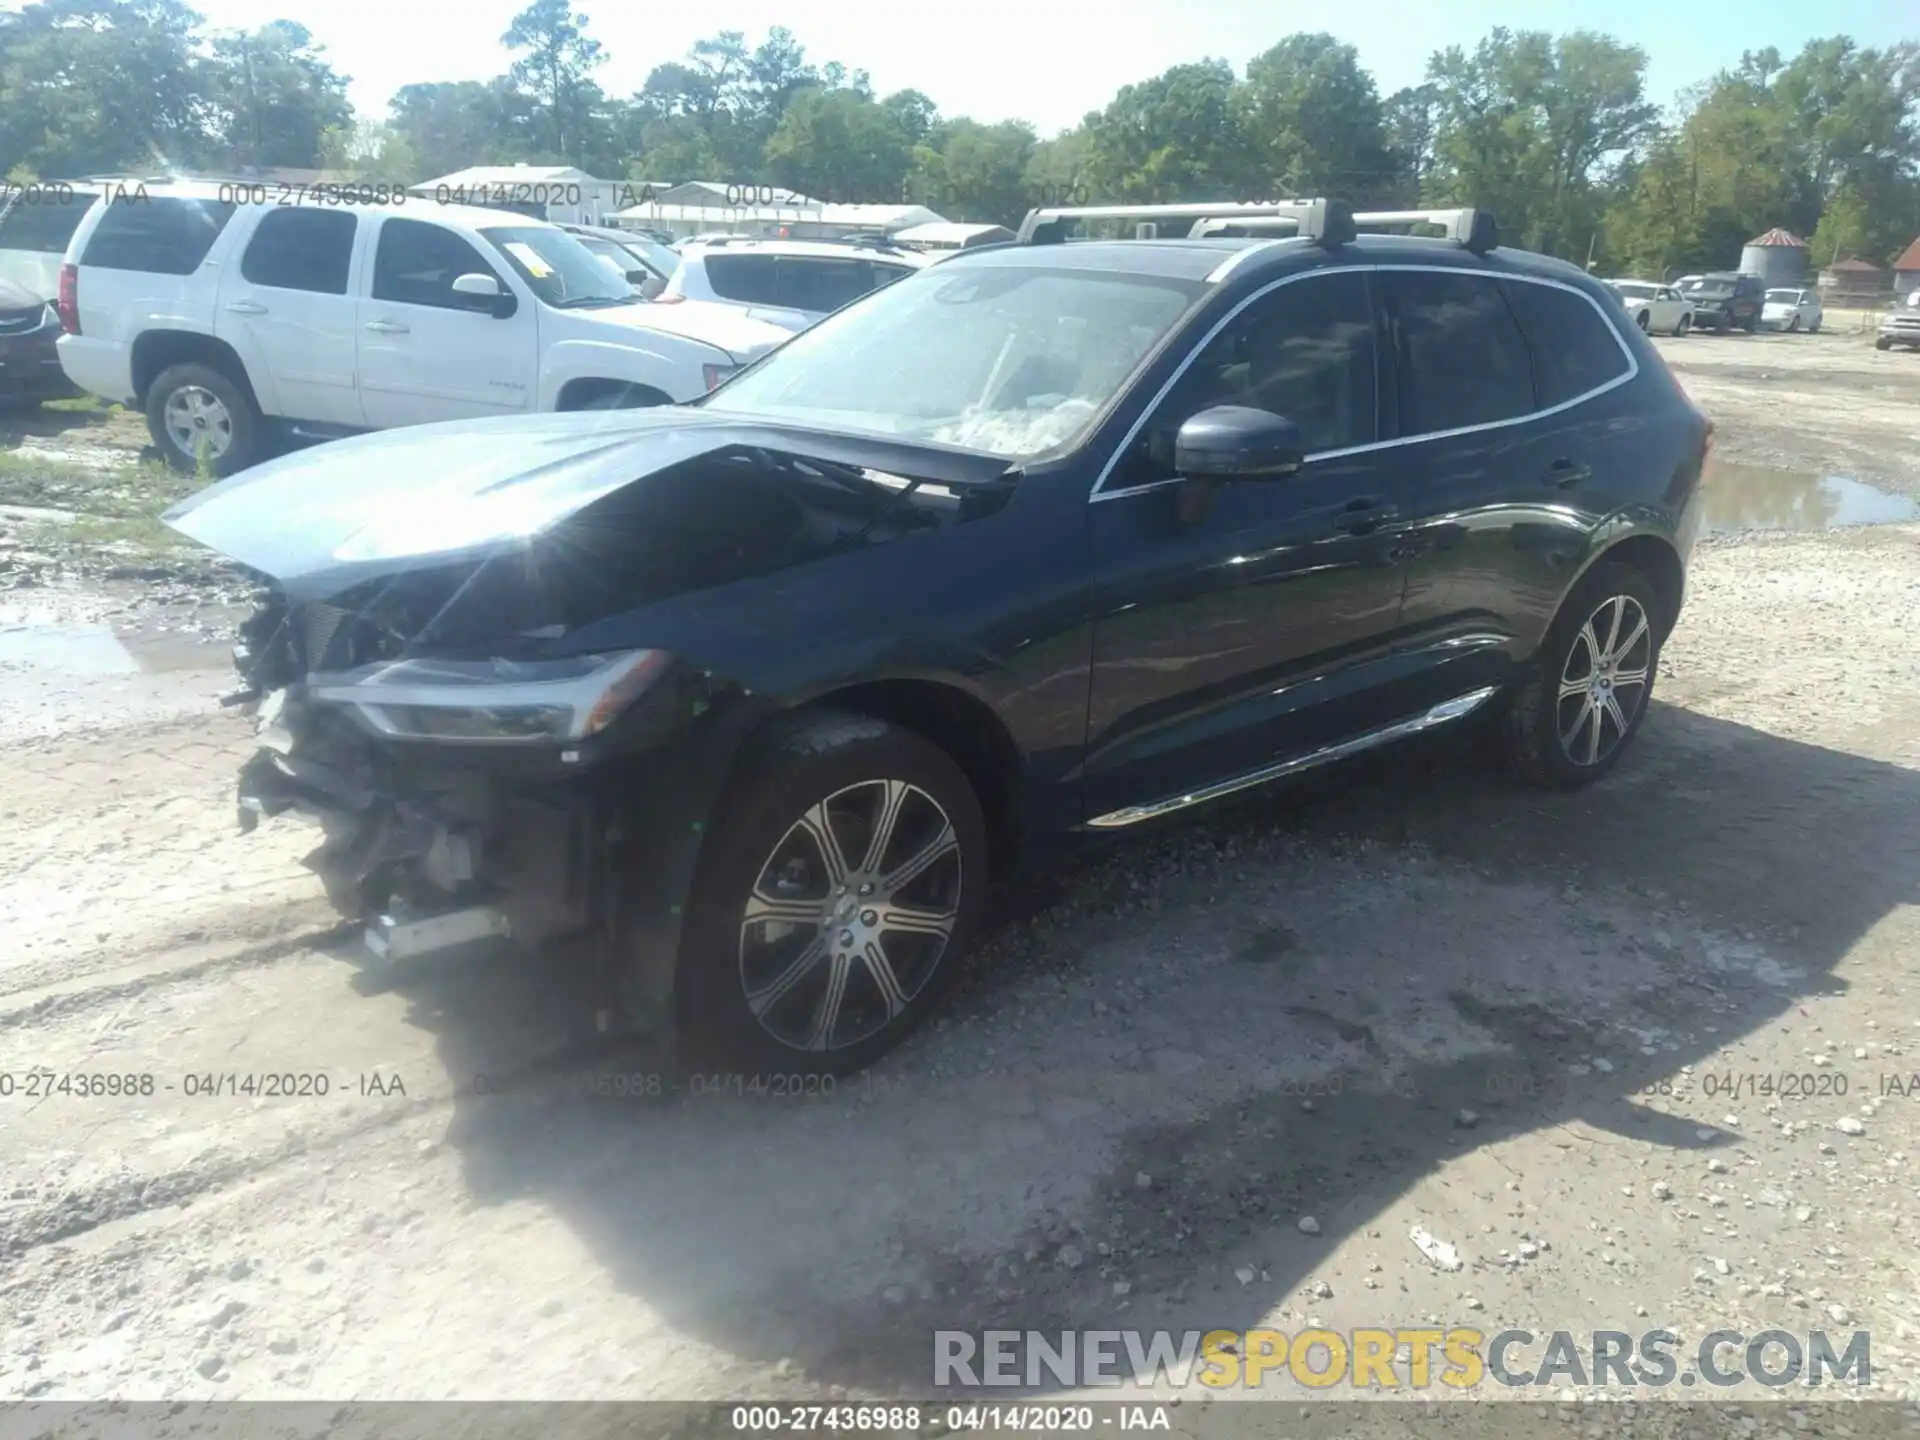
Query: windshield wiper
x=593 y=302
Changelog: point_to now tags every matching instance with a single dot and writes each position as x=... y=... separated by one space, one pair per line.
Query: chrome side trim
x=1633 y=370
x=1447 y=710
x=1240 y=257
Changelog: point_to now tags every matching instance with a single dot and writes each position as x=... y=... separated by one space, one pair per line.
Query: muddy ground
x=1212 y=1080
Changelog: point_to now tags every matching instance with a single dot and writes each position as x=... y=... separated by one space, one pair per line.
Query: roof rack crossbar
x=1325 y=221
x=1469 y=227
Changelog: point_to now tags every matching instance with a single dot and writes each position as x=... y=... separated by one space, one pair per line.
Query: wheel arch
x=158 y=350
x=959 y=722
x=1653 y=556
x=580 y=391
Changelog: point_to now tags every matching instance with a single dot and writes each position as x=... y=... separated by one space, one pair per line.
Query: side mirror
x=485 y=293
x=1237 y=442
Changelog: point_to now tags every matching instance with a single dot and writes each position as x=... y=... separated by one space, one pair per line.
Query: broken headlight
x=493 y=702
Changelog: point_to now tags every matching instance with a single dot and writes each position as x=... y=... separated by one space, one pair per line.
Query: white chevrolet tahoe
x=222 y=318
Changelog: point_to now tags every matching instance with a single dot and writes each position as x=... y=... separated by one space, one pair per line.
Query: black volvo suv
x=756 y=696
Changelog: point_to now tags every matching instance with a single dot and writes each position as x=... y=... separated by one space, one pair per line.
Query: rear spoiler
x=1323 y=221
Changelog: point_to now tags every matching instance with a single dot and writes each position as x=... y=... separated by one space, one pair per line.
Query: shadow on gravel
x=1410 y=932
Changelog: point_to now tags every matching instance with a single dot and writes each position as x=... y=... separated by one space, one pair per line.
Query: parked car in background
x=1654 y=307
x=221 y=320
x=1792 y=310
x=643 y=263
x=1045 y=542
x=1900 y=325
x=36 y=222
x=789 y=283
x=29 y=361
x=1726 y=300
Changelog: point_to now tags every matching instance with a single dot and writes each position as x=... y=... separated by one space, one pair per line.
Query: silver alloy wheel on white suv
x=198 y=423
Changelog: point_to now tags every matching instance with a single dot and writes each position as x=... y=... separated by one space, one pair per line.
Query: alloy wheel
x=196 y=418
x=1604 y=682
x=850 y=915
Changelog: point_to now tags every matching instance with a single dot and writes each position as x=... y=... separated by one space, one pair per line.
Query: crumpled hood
x=324 y=518
x=723 y=326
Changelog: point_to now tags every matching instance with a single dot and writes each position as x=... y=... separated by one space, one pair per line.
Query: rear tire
x=818 y=981
x=195 y=405
x=1575 y=715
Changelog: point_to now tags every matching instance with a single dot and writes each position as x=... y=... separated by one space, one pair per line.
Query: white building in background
x=710 y=207
x=560 y=193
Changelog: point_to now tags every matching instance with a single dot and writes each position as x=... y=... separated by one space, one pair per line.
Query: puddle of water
x=76 y=648
x=1757 y=497
x=70 y=649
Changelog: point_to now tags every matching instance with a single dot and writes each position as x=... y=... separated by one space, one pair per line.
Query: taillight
x=68 y=305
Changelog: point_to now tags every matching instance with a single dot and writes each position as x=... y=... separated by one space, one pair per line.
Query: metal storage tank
x=1778 y=257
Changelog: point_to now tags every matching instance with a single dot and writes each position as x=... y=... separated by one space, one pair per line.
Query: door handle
x=386 y=327
x=1566 y=473
x=1363 y=513
x=246 y=307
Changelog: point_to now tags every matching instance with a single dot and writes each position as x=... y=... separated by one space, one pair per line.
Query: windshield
x=1709 y=287
x=1013 y=361
x=1783 y=297
x=560 y=270
x=611 y=253
x=653 y=252
x=1633 y=291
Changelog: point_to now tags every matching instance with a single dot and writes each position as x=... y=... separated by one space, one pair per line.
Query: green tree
x=1527 y=125
x=1177 y=137
x=975 y=172
x=1410 y=116
x=90 y=86
x=274 y=95
x=555 y=70
x=1314 y=120
x=839 y=145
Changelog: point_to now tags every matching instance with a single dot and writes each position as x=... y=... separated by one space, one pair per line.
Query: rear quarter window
x=161 y=235
x=743 y=279
x=1575 y=350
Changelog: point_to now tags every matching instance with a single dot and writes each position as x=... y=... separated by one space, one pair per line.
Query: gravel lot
x=1212 y=1080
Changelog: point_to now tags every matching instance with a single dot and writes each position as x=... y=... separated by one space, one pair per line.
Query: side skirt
x=1445 y=712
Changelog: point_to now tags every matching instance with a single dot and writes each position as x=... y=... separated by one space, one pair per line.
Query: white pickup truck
x=223 y=317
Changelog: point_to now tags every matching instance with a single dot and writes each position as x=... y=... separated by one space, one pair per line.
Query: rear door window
x=1459 y=357
x=743 y=279
x=301 y=249
x=158 y=234
x=1575 y=350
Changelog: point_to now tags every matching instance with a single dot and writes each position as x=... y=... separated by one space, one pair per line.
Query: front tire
x=194 y=407
x=1574 y=717
x=842 y=889
x=1644 y=321
x=1793 y=325
x=1881 y=343
x=1685 y=324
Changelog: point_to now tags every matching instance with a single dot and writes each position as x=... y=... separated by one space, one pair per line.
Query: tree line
x=1554 y=133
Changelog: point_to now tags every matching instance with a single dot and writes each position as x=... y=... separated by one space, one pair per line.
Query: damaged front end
x=448 y=791
x=478 y=657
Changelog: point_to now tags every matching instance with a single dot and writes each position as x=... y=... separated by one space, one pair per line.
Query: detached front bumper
x=415 y=829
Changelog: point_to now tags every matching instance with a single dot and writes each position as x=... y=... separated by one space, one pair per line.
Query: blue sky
x=1049 y=61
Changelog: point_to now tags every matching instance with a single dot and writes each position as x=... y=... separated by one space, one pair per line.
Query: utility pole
x=253 y=100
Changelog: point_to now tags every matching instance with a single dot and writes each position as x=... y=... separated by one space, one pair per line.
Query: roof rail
x=1324 y=221
x=1472 y=228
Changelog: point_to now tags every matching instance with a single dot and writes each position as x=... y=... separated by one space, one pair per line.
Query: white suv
x=219 y=315
x=789 y=283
